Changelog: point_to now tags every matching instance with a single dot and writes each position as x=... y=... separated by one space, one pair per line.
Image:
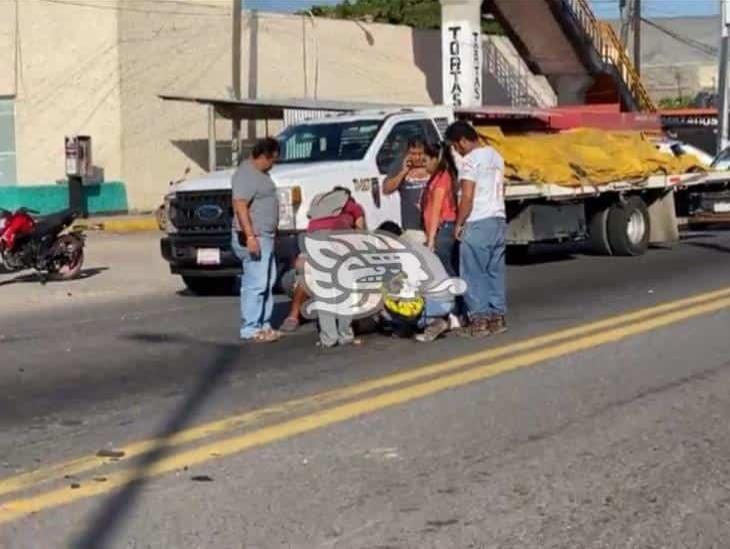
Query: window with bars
x=8 y=169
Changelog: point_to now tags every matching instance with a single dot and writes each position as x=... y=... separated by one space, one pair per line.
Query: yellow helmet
x=401 y=300
x=405 y=308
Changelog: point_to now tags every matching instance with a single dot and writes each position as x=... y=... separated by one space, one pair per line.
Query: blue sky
x=604 y=8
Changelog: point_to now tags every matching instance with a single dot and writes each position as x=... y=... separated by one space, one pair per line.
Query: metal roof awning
x=274 y=109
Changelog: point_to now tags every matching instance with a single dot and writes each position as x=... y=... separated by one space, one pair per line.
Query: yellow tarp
x=583 y=157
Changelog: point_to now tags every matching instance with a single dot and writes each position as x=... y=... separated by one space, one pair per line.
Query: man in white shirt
x=481 y=227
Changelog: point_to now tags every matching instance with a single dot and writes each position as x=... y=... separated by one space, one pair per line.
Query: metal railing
x=513 y=76
x=612 y=52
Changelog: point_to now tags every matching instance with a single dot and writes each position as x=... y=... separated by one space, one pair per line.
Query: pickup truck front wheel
x=210 y=286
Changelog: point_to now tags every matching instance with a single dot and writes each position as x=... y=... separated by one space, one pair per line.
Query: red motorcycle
x=41 y=243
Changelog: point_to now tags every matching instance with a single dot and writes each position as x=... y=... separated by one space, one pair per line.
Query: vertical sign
x=454 y=90
x=476 y=46
x=462 y=64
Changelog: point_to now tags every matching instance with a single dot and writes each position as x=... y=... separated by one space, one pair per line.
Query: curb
x=119 y=225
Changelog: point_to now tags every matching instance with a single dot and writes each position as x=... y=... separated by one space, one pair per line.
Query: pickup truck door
x=389 y=149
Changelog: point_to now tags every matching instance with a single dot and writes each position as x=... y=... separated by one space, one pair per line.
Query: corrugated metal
x=295 y=116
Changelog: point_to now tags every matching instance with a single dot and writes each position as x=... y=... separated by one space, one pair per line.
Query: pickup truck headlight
x=169 y=213
x=290 y=199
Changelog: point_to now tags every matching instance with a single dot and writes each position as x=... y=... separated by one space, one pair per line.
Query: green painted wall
x=103 y=198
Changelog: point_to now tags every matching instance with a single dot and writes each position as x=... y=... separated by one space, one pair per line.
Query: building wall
x=184 y=51
x=68 y=82
x=98 y=69
x=7 y=49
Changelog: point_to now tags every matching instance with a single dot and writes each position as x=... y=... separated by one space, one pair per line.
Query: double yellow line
x=331 y=407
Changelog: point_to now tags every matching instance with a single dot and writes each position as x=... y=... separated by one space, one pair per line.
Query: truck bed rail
x=517 y=190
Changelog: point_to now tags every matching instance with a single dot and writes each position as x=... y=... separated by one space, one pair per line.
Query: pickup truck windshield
x=328 y=141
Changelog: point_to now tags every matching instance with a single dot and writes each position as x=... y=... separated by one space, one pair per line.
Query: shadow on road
x=711 y=246
x=696 y=236
x=114 y=510
x=540 y=254
x=35 y=278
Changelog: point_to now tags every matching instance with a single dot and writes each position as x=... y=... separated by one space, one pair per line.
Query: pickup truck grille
x=203 y=212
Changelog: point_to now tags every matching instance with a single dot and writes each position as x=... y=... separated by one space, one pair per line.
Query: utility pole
x=637 y=36
x=625 y=13
x=722 y=108
x=236 y=78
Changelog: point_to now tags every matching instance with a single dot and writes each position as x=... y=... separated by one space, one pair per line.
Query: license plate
x=209 y=256
x=721 y=207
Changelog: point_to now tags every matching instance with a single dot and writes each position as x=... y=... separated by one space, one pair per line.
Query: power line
x=690 y=42
x=138 y=10
x=184 y=3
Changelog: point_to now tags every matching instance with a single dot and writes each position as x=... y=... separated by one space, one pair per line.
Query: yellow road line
x=229 y=424
x=18 y=508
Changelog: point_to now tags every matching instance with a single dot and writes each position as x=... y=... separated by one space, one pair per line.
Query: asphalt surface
x=622 y=443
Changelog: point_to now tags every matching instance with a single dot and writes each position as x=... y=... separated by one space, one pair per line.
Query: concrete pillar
x=461 y=52
x=571 y=88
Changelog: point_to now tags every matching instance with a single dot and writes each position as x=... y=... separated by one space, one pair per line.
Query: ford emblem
x=209 y=212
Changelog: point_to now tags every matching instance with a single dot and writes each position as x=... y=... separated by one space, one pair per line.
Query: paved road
x=612 y=434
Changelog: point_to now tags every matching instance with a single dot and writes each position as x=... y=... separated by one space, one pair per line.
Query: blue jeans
x=445 y=248
x=257 y=283
x=482 y=266
x=438 y=307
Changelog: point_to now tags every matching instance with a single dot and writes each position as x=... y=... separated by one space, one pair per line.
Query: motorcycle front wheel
x=69 y=253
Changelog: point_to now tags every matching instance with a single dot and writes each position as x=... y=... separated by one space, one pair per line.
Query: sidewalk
x=119 y=223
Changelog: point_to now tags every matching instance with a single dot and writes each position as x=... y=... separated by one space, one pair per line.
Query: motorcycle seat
x=53 y=222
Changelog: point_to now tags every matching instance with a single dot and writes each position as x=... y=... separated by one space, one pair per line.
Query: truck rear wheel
x=210 y=286
x=598 y=232
x=629 y=227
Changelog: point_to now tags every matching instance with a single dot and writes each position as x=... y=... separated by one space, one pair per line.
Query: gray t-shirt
x=259 y=190
x=411 y=194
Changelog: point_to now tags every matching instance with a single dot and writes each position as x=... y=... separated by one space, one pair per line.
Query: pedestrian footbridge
x=581 y=57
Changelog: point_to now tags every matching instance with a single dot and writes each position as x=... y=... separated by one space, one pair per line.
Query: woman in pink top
x=439 y=206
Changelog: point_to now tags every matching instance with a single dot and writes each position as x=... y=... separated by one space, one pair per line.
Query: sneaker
x=433 y=331
x=497 y=325
x=480 y=327
x=454 y=322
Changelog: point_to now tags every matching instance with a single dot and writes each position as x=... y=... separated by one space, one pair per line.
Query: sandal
x=289 y=325
x=267 y=336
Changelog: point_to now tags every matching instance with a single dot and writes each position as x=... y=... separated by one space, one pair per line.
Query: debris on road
x=106 y=453
x=201 y=478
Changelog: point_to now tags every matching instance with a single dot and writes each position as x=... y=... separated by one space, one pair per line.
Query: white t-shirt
x=485 y=167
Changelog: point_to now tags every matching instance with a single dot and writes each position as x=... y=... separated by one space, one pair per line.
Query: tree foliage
x=419 y=14
x=676 y=102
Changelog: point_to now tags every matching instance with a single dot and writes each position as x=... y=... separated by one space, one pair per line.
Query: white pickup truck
x=356 y=150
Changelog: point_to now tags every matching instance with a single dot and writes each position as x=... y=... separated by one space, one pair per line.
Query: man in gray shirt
x=255 y=219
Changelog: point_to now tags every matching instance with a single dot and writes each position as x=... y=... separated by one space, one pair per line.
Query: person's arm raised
x=395 y=178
